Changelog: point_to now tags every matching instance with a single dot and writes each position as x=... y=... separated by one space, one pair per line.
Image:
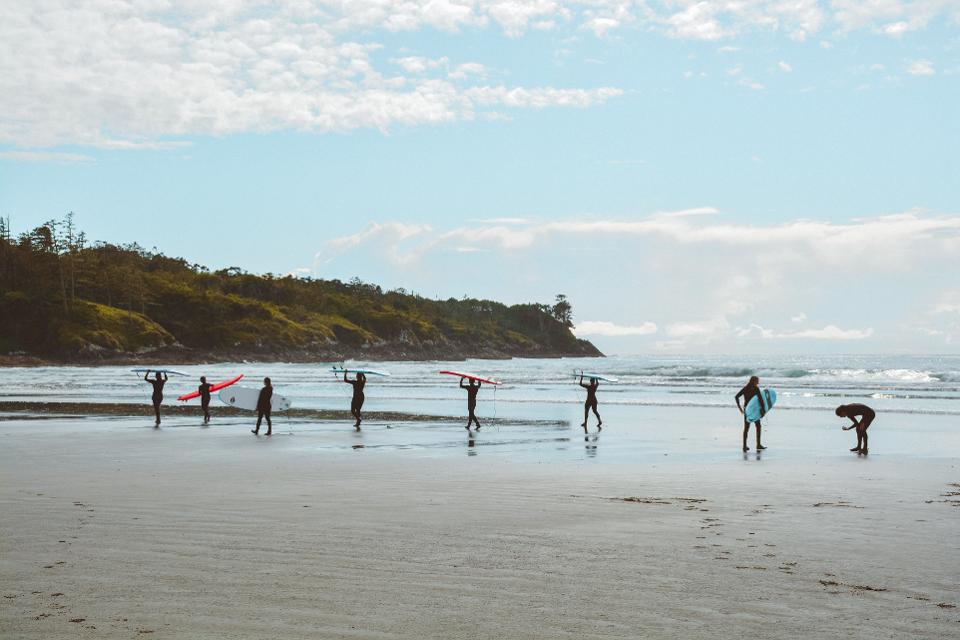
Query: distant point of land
x=65 y=299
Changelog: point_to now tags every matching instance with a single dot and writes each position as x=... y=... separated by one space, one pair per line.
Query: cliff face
x=122 y=303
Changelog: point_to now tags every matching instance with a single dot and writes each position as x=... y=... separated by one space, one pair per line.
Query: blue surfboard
x=752 y=411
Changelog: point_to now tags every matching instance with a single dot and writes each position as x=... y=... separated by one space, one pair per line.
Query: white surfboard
x=588 y=375
x=246 y=398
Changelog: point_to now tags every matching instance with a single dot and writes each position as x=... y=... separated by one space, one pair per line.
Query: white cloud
x=600 y=26
x=949 y=303
x=784 y=66
x=739 y=278
x=609 y=329
x=895 y=241
x=921 y=68
x=829 y=332
x=391 y=234
x=417 y=64
x=463 y=71
x=699 y=329
x=892 y=17
x=45 y=156
x=136 y=74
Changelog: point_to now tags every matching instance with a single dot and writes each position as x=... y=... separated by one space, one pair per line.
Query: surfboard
x=598 y=376
x=752 y=411
x=216 y=387
x=470 y=376
x=169 y=372
x=246 y=398
x=366 y=372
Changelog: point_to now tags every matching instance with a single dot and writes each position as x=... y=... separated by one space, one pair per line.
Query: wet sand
x=111 y=529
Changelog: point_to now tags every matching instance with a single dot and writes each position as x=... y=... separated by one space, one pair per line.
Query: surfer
x=472 y=389
x=866 y=415
x=751 y=389
x=357 y=403
x=263 y=407
x=157 y=384
x=204 y=391
x=591 y=402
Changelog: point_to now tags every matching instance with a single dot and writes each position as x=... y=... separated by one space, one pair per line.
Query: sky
x=738 y=176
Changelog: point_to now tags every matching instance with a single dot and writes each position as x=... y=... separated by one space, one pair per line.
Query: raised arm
x=461 y=383
x=165 y=378
x=146 y=376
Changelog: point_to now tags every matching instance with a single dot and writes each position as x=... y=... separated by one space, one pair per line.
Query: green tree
x=563 y=311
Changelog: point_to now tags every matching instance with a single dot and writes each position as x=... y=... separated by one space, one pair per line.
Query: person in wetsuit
x=204 y=390
x=157 y=384
x=591 y=402
x=747 y=393
x=472 y=389
x=263 y=407
x=866 y=415
x=357 y=402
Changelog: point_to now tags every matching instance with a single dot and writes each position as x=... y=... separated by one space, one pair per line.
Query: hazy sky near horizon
x=760 y=175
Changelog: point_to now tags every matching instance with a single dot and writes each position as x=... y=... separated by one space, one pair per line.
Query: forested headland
x=64 y=298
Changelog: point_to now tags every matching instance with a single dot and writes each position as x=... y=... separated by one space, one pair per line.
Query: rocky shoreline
x=187 y=356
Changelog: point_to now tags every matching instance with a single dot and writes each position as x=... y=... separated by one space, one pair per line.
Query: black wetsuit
x=472 y=390
x=263 y=409
x=356 y=403
x=157 y=394
x=204 y=390
x=748 y=393
x=866 y=415
x=591 y=402
x=862 y=411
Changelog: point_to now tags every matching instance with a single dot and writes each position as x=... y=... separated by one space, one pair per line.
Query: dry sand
x=112 y=530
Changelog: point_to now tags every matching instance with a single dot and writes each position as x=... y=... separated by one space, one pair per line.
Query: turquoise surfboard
x=752 y=411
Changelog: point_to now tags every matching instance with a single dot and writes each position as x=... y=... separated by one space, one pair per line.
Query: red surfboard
x=470 y=377
x=216 y=387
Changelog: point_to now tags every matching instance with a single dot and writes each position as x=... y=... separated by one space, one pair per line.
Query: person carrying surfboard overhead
x=751 y=389
x=204 y=391
x=157 y=384
x=357 y=402
x=263 y=407
x=866 y=415
x=472 y=389
x=591 y=402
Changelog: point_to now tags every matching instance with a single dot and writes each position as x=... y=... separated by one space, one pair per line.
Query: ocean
x=890 y=384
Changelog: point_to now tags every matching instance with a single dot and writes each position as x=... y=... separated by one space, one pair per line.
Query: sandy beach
x=112 y=529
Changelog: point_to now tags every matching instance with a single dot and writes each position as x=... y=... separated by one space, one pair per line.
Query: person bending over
x=204 y=390
x=472 y=389
x=356 y=404
x=751 y=390
x=263 y=407
x=591 y=403
x=866 y=415
x=157 y=384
